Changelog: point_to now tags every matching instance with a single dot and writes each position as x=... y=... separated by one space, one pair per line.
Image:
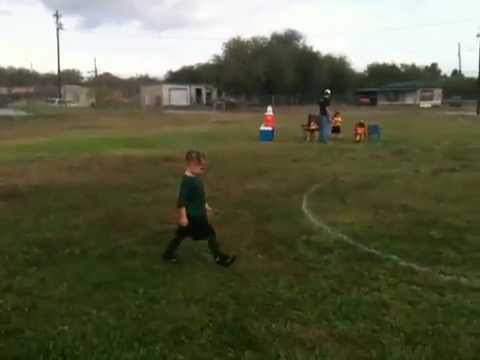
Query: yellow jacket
x=337 y=121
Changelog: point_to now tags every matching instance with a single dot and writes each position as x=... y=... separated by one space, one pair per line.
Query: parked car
x=225 y=104
x=61 y=102
x=455 y=101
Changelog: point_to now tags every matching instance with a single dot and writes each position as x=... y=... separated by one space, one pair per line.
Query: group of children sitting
x=312 y=128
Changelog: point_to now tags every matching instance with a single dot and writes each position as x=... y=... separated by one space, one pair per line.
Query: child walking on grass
x=193 y=212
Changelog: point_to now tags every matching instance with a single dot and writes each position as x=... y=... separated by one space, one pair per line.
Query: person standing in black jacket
x=325 y=116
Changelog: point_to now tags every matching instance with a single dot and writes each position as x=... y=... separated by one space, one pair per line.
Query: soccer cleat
x=225 y=261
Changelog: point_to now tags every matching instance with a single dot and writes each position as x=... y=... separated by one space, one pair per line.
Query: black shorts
x=198 y=228
x=336 y=130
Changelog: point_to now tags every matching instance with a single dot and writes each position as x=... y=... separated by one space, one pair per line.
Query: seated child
x=360 y=132
x=311 y=128
x=337 y=125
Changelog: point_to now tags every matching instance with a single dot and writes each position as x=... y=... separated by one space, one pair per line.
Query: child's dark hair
x=195 y=156
x=337 y=113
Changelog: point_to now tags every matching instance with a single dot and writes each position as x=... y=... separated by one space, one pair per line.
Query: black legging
x=197 y=229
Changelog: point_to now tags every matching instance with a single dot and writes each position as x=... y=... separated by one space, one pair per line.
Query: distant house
x=10 y=94
x=177 y=95
x=405 y=93
x=79 y=95
x=22 y=90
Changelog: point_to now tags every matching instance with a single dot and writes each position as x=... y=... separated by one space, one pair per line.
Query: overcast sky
x=153 y=36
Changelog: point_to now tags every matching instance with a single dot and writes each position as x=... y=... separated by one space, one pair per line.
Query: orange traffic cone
x=269 y=118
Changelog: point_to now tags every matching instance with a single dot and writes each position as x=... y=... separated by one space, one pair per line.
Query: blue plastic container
x=374 y=132
x=267 y=134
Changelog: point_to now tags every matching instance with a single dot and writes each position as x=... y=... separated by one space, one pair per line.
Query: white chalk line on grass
x=380 y=254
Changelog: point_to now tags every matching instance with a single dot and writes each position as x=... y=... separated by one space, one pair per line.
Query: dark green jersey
x=192 y=196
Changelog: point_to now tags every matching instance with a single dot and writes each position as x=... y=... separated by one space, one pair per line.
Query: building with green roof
x=405 y=93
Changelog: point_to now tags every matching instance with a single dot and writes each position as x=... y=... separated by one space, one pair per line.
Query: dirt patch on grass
x=117 y=168
x=36 y=128
x=10 y=192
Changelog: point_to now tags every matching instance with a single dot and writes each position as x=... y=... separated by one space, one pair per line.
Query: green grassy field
x=87 y=206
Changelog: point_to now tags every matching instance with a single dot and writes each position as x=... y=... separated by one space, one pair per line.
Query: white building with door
x=79 y=95
x=177 y=95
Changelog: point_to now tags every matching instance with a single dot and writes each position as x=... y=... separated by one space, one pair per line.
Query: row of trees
x=280 y=64
x=284 y=64
x=128 y=88
x=11 y=76
x=108 y=86
x=381 y=74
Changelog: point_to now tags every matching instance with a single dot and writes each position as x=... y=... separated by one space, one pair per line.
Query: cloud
x=163 y=15
x=158 y=15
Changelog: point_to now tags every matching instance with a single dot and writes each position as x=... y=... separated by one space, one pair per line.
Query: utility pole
x=95 y=69
x=94 y=72
x=460 y=58
x=59 y=27
x=478 y=95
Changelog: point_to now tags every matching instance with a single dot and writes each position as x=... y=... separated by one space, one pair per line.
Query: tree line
x=12 y=77
x=108 y=87
x=281 y=64
x=284 y=63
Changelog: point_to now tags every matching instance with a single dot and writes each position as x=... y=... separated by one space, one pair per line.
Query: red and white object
x=269 y=118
